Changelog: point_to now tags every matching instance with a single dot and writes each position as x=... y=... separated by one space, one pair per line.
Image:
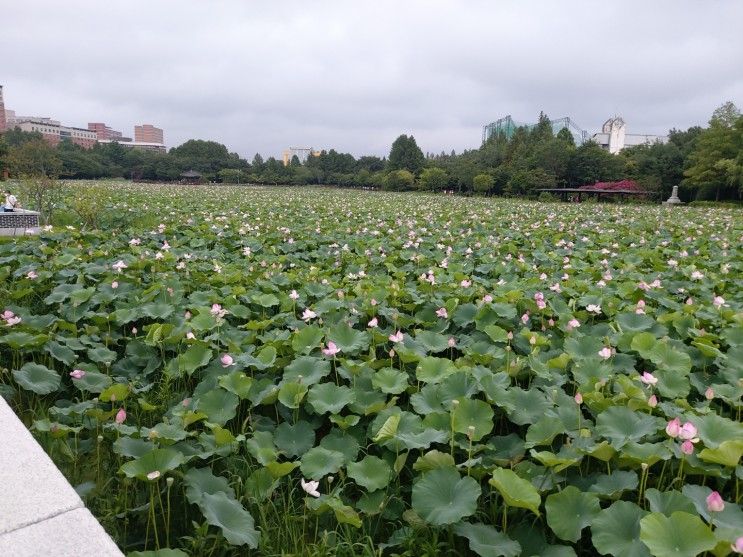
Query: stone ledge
x=36 y=501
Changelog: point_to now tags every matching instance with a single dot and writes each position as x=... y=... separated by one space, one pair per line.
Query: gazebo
x=191 y=177
x=621 y=189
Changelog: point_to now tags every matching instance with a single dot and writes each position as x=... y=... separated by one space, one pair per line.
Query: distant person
x=11 y=202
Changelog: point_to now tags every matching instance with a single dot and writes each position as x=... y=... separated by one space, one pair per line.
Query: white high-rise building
x=614 y=137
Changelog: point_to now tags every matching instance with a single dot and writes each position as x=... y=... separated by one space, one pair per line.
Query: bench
x=19 y=222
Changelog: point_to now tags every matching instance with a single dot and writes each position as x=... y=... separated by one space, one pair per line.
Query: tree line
x=707 y=163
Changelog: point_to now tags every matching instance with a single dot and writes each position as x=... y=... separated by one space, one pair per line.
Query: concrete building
x=147 y=133
x=3 y=122
x=141 y=145
x=102 y=131
x=614 y=137
x=302 y=153
x=54 y=133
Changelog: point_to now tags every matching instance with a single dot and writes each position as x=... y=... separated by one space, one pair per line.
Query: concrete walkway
x=40 y=513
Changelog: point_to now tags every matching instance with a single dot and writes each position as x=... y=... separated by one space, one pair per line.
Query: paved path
x=40 y=513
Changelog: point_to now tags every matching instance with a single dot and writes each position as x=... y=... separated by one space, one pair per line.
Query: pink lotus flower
x=452 y=342
x=648 y=378
x=226 y=360
x=308 y=314
x=578 y=398
x=77 y=374
x=441 y=312
x=217 y=311
x=120 y=416
x=673 y=427
x=134 y=330
x=7 y=314
x=641 y=303
x=310 y=487
x=187 y=315
x=718 y=301
x=135 y=242
x=32 y=275
x=605 y=352
x=688 y=431
x=293 y=295
x=715 y=504
x=119 y=266
x=687 y=447
x=465 y=283
x=487 y=298
x=373 y=322
x=331 y=350
x=114 y=285
x=653 y=401
x=190 y=335
x=13 y=321
x=397 y=337
x=738 y=545
x=593 y=308
x=525 y=318
x=709 y=394
x=153 y=475
x=572 y=324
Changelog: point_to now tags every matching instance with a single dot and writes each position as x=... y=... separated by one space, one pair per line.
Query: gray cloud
x=261 y=76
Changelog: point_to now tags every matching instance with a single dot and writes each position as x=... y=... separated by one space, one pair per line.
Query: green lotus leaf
x=516 y=491
x=343 y=513
x=670 y=359
x=261 y=447
x=20 y=339
x=115 y=393
x=131 y=447
x=61 y=353
x=266 y=300
x=157 y=310
x=37 y=378
x=680 y=534
x=616 y=530
x=496 y=334
x=668 y=502
x=307 y=370
x=281 y=469
x=199 y=481
x=237 y=525
x=731 y=516
x=237 y=383
x=348 y=339
x=432 y=460
x=434 y=370
x=621 y=425
x=307 y=338
x=635 y=322
x=102 y=355
x=612 y=485
x=388 y=429
x=486 y=541
x=472 y=417
x=715 y=430
x=220 y=406
x=371 y=472
x=569 y=511
x=195 y=356
x=431 y=341
x=319 y=462
x=292 y=394
x=390 y=380
x=329 y=398
x=728 y=453
x=92 y=382
x=294 y=440
x=442 y=497
x=157 y=460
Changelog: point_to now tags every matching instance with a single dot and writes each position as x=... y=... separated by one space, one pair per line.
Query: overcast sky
x=263 y=76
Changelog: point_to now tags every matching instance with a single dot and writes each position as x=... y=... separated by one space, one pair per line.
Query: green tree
x=34 y=158
x=232 y=175
x=712 y=162
x=529 y=181
x=483 y=183
x=399 y=180
x=406 y=155
x=433 y=179
x=589 y=163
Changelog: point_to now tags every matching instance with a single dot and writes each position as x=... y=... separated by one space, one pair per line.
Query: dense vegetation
x=327 y=372
x=706 y=163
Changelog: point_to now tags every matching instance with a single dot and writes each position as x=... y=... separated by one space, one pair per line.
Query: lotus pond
x=248 y=371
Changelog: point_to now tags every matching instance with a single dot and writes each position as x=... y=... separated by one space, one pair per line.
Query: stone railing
x=19 y=222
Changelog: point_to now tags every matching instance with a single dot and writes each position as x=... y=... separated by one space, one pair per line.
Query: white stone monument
x=674 y=199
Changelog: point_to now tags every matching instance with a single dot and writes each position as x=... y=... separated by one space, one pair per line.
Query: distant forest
x=707 y=163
